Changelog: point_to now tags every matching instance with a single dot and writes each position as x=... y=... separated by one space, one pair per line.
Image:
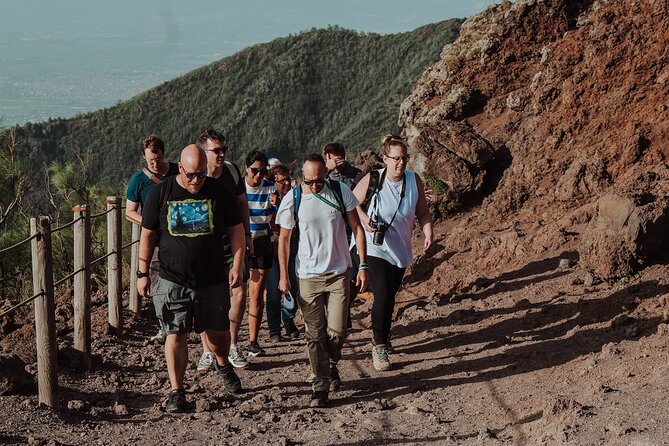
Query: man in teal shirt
x=153 y=152
x=157 y=169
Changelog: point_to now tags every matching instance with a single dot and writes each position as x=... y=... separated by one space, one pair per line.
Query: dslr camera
x=380 y=228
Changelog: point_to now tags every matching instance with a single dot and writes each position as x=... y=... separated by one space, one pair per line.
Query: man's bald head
x=193 y=158
x=193 y=164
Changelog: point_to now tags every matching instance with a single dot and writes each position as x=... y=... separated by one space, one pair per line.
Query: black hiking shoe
x=231 y=381
x=176 y=403
x=319 y=398
x=335 y=380
x=291 y=330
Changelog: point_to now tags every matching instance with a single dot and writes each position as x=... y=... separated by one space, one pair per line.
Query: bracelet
x=363 y=266
x=248 y=234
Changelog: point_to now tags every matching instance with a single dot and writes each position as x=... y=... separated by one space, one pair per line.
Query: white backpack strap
x=234 y=171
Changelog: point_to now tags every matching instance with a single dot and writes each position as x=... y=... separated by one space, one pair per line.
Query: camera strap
x=402 y=191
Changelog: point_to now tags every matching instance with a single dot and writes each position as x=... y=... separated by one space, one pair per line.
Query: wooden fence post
x=45 y=313
x=135 y=298
x=82 y=283
x=114 y=270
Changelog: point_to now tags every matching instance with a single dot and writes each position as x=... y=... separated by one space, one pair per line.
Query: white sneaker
x=236 y=357
x=206 y=361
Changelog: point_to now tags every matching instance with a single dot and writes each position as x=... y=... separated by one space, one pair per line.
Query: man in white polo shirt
x=319 y=207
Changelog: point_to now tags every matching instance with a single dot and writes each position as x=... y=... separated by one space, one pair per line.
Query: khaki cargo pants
x=324 y=304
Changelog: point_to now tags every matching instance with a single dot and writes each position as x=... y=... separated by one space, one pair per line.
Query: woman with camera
x=391 y=200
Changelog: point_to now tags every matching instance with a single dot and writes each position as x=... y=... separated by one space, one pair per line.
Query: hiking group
x=211 y=235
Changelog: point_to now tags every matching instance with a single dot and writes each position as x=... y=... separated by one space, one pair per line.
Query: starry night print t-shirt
x=192 y=228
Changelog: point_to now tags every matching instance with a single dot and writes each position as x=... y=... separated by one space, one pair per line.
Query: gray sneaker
x=158 y=338
x=380 y=358
x=236 y=358
x=206 y=361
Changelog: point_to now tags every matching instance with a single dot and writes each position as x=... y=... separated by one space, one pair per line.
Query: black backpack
x=374 y=186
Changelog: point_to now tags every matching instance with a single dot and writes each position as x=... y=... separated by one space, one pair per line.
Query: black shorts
x=180 y=309
x=228 y=266
x=263 y=253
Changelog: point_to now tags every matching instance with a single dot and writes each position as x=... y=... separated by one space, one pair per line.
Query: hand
x=427 y=245
x=284 y=285
x=274 y=199
x=361 y=280
x=235 y=277
x=365 y=223
x=330 y=162
x=429 y=195
x=144 y=287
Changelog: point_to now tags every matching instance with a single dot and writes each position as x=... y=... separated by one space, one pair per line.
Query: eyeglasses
x=255 y=171
x=194 y=175
x=218 y=150
x=397 y=159
x=285 y=181
x=317 y=182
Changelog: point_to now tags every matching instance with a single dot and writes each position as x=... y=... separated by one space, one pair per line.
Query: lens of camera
x=377 y=237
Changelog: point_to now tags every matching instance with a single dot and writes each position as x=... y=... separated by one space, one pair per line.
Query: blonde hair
x=390 y=140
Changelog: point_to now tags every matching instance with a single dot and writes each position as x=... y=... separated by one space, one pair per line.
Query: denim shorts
x=180 y=309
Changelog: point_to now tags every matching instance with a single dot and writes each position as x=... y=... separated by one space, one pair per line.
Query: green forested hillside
x=286 y=97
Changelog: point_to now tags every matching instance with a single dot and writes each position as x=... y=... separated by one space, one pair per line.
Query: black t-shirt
x=192 y=227
x=228 y=179
x=237 y=189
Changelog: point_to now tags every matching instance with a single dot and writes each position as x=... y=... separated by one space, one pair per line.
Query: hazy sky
x=62 y=57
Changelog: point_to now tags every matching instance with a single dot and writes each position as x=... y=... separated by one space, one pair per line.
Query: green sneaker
x=236 y=358
x=206 y=361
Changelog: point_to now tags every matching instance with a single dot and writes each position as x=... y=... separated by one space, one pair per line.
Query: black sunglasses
x=317 y=182
x=218 y=150
x=283 y=181
x=255 y=170
x=194 y=175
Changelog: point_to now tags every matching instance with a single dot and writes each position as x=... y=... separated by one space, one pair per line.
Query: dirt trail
x=535 y=355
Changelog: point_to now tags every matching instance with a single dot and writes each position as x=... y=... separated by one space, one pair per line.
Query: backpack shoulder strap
x=336 y=190
x=165 y=190
x=151 y=176
x=297 y=198
x=375 y=179
x=234 y=171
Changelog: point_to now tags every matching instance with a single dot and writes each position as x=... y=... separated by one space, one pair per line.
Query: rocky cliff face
x=552 y=115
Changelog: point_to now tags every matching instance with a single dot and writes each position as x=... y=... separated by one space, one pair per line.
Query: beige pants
x=324 y=304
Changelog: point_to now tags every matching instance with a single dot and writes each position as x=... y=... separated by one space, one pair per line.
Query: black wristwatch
x=141 y=274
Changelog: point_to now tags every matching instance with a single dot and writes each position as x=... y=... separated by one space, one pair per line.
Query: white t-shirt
x=323 y=245
x=396 y=247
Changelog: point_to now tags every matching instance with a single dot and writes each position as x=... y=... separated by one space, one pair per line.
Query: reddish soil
x=538 y=354
x=540 y=318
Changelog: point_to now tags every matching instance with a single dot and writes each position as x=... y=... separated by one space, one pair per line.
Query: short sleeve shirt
x=140 y=184
x=323 y=244
x=349 y=175
x=260 y=209
x=192 y=228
